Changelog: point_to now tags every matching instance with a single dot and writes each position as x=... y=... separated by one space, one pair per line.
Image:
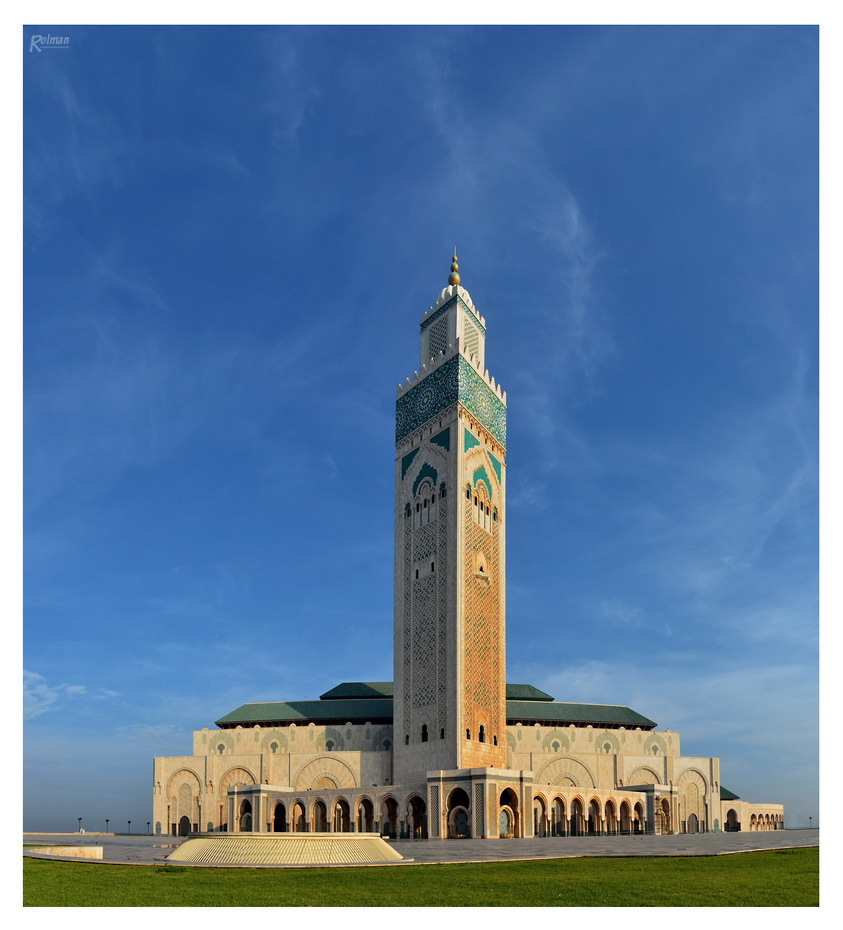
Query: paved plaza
x=145 y=850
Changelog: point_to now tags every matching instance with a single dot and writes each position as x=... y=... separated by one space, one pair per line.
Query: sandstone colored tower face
x=450 y=555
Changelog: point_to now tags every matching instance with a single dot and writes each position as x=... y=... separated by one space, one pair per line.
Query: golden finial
x=454 y=277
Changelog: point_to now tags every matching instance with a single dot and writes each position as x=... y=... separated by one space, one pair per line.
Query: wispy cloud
x=39 y=696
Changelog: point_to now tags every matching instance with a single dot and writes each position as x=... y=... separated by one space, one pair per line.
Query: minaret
x=450 y=556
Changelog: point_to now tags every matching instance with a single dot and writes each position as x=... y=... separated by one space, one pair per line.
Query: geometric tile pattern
x=446 y=307
x=482 y=644
x=453 y=381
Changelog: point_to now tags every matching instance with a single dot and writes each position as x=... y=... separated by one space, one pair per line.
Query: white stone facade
x=448 y=752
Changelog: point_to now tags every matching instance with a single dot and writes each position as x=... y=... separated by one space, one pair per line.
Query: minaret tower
x=450 y=556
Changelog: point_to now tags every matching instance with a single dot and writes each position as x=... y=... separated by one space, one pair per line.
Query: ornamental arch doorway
x=279 y=818
x=184 y=826
x=558 y=822
x=298 y=821
x=577 y=819
x=416 y=818
x=662 y=824
x=244 y=817
x=594 y=817
x=342 y=816
x=389 y=818
x=459 y=806
x=539 y=817
x=610 y=818
x=365 y=816
x=626 y=819
x=509 y=825
x=639 y=822
x=320 y=817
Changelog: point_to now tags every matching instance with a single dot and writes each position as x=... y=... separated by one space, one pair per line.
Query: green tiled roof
x=358 y=689
x=525 y=693
x=334 y=711
x=563 y=714
x=726 y=795
x=371 y=701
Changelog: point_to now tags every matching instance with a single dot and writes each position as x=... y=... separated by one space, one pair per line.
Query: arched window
x=387 y=744
x=442 y=733
x=221 y=748
x=468 y=734
x=407 y=740
x=273 y=747
x=495 y=740
x=407 y=510
x=442 y=489
x=329 y=745
x=482 y=735
x=432 y=567
x=468 y=492
x=424 y=733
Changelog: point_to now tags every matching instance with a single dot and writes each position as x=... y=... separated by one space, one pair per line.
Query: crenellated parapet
x=437 y=361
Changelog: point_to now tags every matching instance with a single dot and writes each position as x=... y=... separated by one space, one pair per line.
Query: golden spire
x=454 y=277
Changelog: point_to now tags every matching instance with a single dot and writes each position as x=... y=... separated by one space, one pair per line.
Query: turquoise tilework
x=469 y=441
x=480 y=400
x=495 y=464
x=443 y=439
x=453 y=381
x=407 y=461
x=426 y=471
x=480 y=475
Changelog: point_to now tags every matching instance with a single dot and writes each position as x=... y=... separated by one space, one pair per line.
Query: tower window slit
x=432 y=568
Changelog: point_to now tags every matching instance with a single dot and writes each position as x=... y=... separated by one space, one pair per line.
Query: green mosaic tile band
x=453 y=381
x=469 y=441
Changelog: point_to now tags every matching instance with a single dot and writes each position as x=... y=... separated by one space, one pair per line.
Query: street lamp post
x=79 y=829
x=130 y=828
x=147 y=827
x=106 y=824
x=810 y=822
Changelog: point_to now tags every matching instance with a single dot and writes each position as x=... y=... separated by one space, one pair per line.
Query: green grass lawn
x=784 y=878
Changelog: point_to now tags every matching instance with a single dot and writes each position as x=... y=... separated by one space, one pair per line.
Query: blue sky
x=229 y=237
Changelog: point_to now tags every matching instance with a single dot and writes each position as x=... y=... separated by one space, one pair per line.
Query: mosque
x=448 y=749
